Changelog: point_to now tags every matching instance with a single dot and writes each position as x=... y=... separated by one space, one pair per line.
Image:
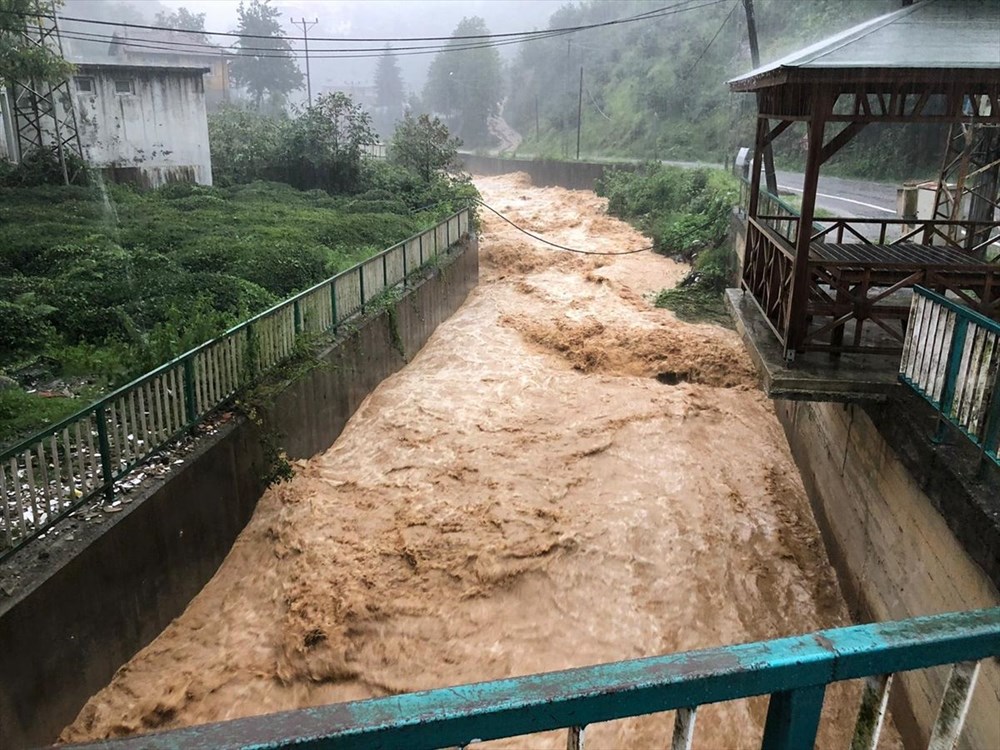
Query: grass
x=687 y=213
x=98 y=290
x=698 y=297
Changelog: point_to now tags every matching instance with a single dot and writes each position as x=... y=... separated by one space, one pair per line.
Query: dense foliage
x=656 y=88
x=264 y=64
x=102 y=292
x=19 y=59
x=465 y=86
x=424 y=145
x=687 y=213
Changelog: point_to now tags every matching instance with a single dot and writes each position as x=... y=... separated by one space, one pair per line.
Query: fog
x=336 y=18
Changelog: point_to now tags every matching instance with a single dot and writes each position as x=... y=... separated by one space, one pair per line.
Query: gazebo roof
x=930 y=39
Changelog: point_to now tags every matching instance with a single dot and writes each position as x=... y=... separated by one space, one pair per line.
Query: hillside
x=656 y=88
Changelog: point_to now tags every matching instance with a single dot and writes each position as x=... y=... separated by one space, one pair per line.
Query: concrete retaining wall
x=83 y=604
x=873 y=479
x=573 y=175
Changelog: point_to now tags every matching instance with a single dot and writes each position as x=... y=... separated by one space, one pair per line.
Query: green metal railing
x=49 y=475
x=793 y=671
x=951 y=357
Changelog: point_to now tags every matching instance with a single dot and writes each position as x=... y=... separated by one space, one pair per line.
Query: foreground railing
x=951 y=357
x=51 y=474
x=793 y=671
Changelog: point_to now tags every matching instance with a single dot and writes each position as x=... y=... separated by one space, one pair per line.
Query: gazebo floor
x=814 y=376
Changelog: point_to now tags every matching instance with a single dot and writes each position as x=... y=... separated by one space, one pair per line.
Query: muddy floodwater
x=563 y=476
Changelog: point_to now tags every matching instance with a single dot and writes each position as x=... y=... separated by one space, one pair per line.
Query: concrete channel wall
x=906 y=533
x=85 y=603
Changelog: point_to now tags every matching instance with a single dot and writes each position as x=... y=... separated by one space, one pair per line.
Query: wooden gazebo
x=937 y=61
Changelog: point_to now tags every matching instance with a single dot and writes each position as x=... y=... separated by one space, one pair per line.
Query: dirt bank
x=526 y=495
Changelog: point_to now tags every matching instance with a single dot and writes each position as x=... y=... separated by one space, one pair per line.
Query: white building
x=143 y=124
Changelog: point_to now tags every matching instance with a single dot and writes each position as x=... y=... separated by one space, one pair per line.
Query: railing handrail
x=951 y=358
x=47 y=431
x=455 y=716
x=966 y=312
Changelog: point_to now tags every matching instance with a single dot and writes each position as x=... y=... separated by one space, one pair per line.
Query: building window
x=124 y=86
x=85 y=84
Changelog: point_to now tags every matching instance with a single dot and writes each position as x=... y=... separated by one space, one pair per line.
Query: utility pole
x=305 y=36
x=579 y=115
x=768 y=155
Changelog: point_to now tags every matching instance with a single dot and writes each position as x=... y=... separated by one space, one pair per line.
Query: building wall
x=892 y=547
x=156 y=135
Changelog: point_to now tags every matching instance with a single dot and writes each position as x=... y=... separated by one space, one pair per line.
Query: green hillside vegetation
x=94 y=294
x=687 y=214
x=656 y=89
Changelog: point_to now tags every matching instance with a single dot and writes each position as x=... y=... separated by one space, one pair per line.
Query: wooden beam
x=777 y=130
x=799 y=295
x=841 y=139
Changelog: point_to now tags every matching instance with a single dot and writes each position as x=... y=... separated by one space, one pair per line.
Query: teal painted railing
x=793 y=671
x=951 y=357
x=48 y=476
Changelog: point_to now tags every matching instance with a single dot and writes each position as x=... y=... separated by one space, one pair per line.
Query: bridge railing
x=951 y=357
x=793 y=671
x=56 y=471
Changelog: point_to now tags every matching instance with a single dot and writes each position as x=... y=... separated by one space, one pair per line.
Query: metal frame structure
x=43 y=113
x=812 y=285
x=794 y=671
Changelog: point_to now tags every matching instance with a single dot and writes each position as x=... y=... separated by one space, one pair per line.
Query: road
x=837 y=195
x=844 y=197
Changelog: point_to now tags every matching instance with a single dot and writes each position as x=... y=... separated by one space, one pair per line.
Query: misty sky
x=382 y=18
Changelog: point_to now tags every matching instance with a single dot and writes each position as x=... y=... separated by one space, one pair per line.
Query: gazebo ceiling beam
x=840 y=140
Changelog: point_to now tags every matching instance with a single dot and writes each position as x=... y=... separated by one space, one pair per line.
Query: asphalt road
x=839 y=196
x=844 y=197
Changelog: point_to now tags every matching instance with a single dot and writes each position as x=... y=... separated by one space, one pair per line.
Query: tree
x=20 y=60
x=323 y=146
x=245 y=144
x=424 y=145
x=466 y=86
x=389 y=92
x=184 y=20
x=264 y=64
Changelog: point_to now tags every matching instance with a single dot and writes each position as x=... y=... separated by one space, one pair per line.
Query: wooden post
x=796 y=323
x=765 y=154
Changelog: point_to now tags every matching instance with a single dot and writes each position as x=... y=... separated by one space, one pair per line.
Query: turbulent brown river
x=524 y=496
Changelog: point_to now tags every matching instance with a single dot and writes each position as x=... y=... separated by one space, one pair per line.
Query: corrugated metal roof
x=930 y=35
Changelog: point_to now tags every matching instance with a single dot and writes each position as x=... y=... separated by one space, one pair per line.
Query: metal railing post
x=361 y=284
x=333 y=305
x=296 y=318
x=385 y=269
x=189 y=400
x=105 y=448
x=793 y=718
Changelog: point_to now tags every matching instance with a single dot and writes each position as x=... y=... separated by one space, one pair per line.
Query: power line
x=716 y=36
x=297 y=54
x=656 y=13
x=351 y=52
x=556 y=244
